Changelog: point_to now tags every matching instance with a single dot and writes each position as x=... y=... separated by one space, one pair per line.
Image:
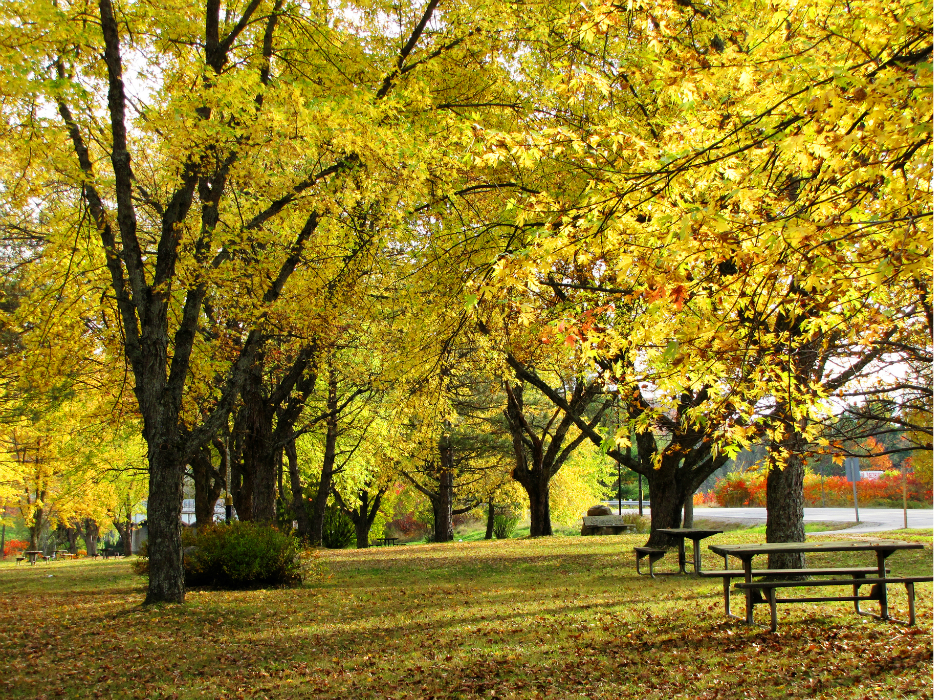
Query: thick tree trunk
x=490 y=519
x=666 y=495
x=327 y=464
x=209 y=482
x=90 y=531
x=164 y=514
x=258 y=455
x=443 y=505
x=71 y=532
x=299 y=504
x=537 y=490
x=785 y=502
x=35 y=530
x=241 y=489
x=689 y=510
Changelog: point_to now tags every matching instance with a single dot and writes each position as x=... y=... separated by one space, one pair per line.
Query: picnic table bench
x=605 y=525
x=781 y=578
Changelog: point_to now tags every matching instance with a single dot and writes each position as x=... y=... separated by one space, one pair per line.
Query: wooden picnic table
x=883 y=549
x=33 y=554
x=695 y=534
x=386 y=541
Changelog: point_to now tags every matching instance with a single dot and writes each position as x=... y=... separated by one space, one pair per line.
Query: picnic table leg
x=910 y=590
x=883 y=593
x=682 y=558
x=697 y=558
x=771 y=594
x=856 y=593
x=726 y=595
x=747 y=573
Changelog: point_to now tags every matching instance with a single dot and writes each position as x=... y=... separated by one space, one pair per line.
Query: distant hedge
x=240 y=555
x=737 y=490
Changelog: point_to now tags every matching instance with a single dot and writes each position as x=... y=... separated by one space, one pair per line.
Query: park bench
x=19 y=559
x=728 y=574
x=876 y=593
x=605 y=525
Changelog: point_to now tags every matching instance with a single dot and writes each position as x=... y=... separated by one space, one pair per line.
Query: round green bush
x=241 y=555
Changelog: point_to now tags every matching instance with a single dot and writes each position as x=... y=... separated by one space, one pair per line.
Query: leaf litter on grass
x=552 y=617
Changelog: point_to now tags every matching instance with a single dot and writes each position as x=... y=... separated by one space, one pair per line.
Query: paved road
x=871 y=519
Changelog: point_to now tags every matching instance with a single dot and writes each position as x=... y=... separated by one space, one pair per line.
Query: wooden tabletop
x=689 y=531
x=741 y=550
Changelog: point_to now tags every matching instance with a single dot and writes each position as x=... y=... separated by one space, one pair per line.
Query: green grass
x=562 y=617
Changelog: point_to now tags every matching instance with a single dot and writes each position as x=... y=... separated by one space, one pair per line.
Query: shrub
x=239 y=555
x=642 y=523
x=504 y=524
x=82 y=553
x=338 y=530
x=15 y=547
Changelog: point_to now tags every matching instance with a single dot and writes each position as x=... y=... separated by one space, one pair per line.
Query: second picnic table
x=695 y=534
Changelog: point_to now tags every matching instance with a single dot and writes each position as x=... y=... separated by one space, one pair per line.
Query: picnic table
x=883 y=549
x=33 y=554
x=386 y=541
x=695 y=534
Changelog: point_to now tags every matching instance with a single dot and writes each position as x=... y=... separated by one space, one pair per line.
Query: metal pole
x=823 y=503
x=619 y=486
x=855 y=502
x=640 y=494
x=905 y=495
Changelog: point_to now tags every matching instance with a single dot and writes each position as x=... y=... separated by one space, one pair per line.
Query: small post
x=640 y=495
x=228 y=507
x=905 y=494
x=619 y=486
x=851 y=466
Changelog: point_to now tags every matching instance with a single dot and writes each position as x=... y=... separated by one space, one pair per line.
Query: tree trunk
x=785 y=502
x=490 y=519
x=164 y=514
x=667 y=496
x=90 y=532
x=299 y=504
x=689 y=510
x=327 y=465
x=540 y=510
x=443 y=505
x=258 y=456
x=209 y=482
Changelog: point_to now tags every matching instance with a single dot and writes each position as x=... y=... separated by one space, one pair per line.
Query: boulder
x=599 y=510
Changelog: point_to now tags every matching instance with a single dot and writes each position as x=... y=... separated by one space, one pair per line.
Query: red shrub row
x=15 y=547
x=737 y=490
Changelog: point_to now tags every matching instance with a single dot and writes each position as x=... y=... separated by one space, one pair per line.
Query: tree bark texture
x=299 y=504
x=327 y=465
x=785 y=502
x=164 y=515
x=209 y=483
x=443 y=504
x=490 y=519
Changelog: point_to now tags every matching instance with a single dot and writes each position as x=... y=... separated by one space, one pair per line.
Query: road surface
x=870 y=519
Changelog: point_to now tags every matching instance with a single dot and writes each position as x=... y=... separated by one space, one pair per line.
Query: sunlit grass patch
x=554 y=617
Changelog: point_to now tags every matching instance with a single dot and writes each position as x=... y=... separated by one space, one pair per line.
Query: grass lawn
x=562 y=617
